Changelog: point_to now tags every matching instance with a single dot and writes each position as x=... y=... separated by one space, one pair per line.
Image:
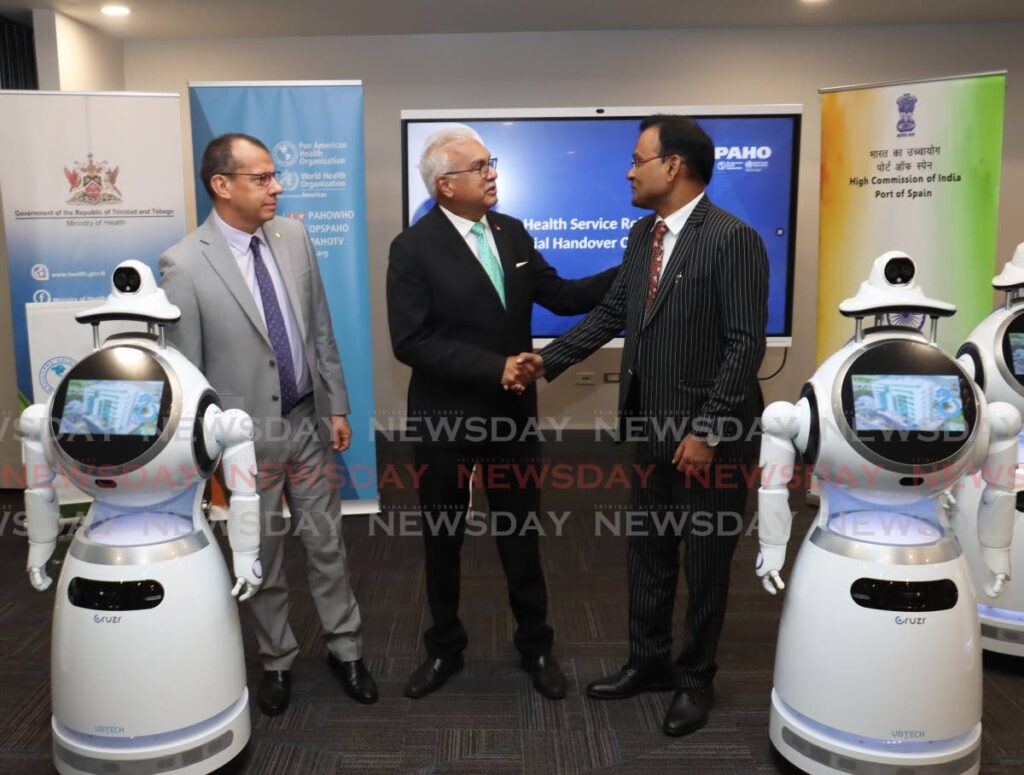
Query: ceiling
x=261 y=18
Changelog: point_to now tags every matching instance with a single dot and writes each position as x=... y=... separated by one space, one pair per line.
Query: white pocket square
x=521 y=264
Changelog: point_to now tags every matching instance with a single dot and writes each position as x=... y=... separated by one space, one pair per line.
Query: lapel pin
x=277 y=234
x=497 y=227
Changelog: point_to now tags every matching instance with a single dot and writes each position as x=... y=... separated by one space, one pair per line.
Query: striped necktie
x=275 y=329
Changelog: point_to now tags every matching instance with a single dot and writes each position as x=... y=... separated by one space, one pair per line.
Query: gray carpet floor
x=487 y=720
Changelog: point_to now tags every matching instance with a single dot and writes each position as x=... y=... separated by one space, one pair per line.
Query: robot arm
x=42 y=510
x=781 y=426
x=995 y=514
x=232 y=432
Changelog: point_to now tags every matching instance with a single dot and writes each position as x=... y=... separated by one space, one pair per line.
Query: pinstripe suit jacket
x=691 y=364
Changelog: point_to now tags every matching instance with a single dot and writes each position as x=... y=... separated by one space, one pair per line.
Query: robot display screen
x=1017 y=351
x=908 y=402
x=112 y=407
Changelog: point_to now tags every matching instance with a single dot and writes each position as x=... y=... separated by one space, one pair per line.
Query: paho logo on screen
x=93 y=183
x=742 y=158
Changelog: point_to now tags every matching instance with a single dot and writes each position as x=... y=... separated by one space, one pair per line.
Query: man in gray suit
x=254 y=319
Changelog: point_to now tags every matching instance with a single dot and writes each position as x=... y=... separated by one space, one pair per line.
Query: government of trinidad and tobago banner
x=914 y=167
x=87 y=180
x=314 y=130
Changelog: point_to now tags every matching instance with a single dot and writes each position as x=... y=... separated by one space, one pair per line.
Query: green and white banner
x=911 y=166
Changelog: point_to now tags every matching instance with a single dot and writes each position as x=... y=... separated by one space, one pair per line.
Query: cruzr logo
x=911 y=619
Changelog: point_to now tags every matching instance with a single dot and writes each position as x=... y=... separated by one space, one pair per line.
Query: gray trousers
x=297 y=469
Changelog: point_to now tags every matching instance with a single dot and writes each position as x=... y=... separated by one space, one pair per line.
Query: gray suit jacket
x=222 y=333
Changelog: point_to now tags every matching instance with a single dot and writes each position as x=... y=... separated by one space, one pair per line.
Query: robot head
x=1012 y=276
x=892 y=290
x=134 y=296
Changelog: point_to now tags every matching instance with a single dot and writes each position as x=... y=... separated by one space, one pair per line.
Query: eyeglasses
x=261 y=179
x=637 y=163
x=480 y=168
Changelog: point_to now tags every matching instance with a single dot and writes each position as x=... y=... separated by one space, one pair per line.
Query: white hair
x=434 y=159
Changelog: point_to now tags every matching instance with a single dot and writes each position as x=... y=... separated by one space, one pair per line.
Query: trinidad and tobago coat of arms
x=93 y=183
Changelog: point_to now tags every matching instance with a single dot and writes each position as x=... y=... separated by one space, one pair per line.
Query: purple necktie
x=276 y=330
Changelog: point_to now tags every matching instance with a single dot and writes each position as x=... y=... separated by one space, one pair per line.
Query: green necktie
x=490 y=262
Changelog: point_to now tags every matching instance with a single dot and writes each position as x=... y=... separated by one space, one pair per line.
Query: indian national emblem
x=906 y=103
x=92 y=183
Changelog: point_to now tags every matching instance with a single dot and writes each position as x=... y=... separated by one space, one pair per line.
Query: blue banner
x=87 y=181
x=314 y=132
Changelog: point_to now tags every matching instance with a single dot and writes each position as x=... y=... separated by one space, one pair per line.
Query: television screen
x=908 y=402
x=1017 y=348
x=563 y=173
x=112 y=407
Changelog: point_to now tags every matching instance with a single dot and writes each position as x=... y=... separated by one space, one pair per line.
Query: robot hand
x=39 y=553
x=39 y=579
x=768 y=564
x=995 y=587
x=248 y=573
x=998 y=562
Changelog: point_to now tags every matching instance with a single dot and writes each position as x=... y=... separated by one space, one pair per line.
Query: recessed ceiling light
x=116 y=10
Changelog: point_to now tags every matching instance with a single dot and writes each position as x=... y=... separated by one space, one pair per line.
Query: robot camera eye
x=127 y=279
x=899 y=270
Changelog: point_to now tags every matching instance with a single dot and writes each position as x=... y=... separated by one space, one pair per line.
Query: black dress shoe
x=355 y=679
x=274 y=692
x=689 y=711
x=431 y=675
x=630 y=681
x=548 y=678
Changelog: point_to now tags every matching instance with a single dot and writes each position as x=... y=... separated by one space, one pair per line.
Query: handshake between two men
x=521 y=371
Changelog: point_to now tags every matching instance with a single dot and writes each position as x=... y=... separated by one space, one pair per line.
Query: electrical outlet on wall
x=586 y=378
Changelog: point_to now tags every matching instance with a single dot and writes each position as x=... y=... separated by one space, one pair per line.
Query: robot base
x=1002 y=631
x=193 y=751
x=820 y=750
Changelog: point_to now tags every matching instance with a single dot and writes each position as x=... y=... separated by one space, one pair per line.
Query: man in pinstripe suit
x=692 y=297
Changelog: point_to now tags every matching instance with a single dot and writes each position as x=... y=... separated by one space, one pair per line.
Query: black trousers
x=444 y=500
x=707 y=519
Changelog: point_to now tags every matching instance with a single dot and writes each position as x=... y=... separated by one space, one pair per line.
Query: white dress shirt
x=463 y=226
x=239 y=242
x=675 y=222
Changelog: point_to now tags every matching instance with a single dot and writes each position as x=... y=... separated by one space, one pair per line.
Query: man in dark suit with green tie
x=461 y=285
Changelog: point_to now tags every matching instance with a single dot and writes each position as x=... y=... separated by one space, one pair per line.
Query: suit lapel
x=289 y=269
x=680 y=252
x=217 y=252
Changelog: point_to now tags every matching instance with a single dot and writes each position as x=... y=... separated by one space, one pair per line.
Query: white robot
x=878 y=664
x=994 y=357
x=148 y=673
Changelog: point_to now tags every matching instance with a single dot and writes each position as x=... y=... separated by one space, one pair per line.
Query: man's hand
x=341 y=433
x=693 y=457
x=521 y=371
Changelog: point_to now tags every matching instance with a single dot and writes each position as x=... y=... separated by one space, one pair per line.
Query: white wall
x=88 y=60
x=581 y=69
